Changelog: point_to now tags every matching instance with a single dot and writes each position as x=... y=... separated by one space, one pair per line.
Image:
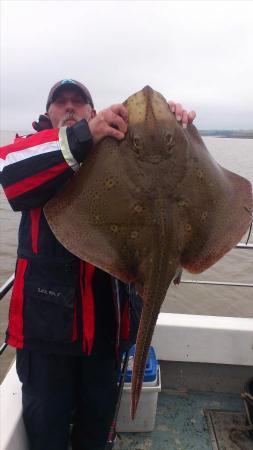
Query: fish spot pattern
x=114 y=228
x=183 y=203
x=188 y=227
x=111 y=182
x=138 y=208
x=200 y=173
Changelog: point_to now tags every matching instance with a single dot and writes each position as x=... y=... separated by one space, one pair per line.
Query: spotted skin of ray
x=145 y=207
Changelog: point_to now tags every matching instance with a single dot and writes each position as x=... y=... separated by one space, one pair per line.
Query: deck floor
x=180 y=422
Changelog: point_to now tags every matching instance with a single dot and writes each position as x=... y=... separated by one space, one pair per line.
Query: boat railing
x=5 y=288
x=3 y=291
x=223 y=283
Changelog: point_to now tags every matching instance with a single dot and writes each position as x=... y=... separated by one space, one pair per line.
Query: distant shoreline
x=236 y=134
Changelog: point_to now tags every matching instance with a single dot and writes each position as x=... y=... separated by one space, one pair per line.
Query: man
x=69 y=321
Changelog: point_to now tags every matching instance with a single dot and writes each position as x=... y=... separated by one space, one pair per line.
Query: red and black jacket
x=59 y=303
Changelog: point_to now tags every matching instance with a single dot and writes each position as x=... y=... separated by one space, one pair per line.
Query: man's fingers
x=109 y=122
x=191 y=116
x=177 y=109
x=114 y=119
x=172 y=106
x=179 y=112
x=113 y=132
x=120 y=110
x=184 y=118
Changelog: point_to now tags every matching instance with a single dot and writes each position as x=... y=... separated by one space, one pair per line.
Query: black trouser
x=58 y=390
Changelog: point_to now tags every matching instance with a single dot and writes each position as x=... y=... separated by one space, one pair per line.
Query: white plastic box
x=146 y=411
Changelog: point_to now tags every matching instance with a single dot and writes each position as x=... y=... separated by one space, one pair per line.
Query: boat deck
x=186 y=417
x=181 y=424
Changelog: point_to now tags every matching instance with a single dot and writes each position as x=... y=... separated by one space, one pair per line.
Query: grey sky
x=198 y=53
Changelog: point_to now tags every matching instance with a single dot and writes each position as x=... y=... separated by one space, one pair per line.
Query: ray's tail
x=152 y=301
x=146 y=329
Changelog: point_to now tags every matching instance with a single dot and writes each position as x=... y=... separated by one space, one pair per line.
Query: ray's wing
x=219 y=206
x=99 y=216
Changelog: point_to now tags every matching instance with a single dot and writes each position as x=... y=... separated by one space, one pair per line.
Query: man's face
x=69 y=107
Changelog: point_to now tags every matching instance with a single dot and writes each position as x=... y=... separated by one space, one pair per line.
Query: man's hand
x=180 y=113
x=109 y=122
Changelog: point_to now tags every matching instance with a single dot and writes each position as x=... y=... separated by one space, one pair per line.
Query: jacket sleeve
x=33 y=168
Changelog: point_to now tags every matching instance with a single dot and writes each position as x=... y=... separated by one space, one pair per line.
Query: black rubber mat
x=228 y=430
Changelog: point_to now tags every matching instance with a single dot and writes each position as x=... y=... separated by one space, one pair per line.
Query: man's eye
x=59 y=101
x=79 y=101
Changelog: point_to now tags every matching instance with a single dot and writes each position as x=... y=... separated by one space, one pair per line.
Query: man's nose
x=69 y=106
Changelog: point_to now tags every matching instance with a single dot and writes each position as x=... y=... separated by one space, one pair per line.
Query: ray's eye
x=169 y=142
x=137 y=143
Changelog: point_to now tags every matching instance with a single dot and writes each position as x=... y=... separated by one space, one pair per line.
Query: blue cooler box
x=150 y=375
x=146 y=410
